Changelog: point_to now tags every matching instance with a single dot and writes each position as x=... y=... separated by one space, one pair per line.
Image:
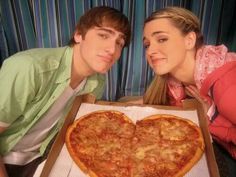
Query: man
x=38 y=86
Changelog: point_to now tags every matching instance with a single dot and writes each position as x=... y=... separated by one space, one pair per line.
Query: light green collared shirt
x=30 y=82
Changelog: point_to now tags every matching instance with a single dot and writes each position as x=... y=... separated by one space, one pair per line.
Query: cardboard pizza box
x=188 y=105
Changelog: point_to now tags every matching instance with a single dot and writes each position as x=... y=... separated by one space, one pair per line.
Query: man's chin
x=102 y=71
x=101 y=67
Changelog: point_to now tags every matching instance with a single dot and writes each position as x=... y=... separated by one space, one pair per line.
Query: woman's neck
x=185 y=71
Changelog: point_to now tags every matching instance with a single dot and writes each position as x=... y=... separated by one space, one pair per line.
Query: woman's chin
x=160 y=71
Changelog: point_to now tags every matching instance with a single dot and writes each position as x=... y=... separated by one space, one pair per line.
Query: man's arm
x=3 y=172
x=17 y=88
x=16 y=92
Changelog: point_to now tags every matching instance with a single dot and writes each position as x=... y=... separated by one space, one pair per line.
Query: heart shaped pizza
x=109 y=144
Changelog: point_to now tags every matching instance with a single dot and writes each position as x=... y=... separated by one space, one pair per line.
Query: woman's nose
x=152 y=49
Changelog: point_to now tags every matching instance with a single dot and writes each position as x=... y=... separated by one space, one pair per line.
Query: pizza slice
x=165 y=145
x=100 y=143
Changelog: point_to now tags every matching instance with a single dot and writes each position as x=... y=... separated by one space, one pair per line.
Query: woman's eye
x=162 y=40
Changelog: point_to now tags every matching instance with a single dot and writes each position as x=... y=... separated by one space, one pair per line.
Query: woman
x=185 y=66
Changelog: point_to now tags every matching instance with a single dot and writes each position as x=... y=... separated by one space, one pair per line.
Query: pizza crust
x=122 y=115
x=71 y=152
x=191 y=163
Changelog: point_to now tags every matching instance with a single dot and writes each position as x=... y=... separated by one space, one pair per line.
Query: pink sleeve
x=231 y=148
x=223 y=129
x=224 y=132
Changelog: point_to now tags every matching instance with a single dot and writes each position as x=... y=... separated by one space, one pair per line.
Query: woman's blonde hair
x=156 y=93
x=186 y=22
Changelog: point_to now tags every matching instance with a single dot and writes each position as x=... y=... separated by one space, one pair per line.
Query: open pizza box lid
x=190 y=107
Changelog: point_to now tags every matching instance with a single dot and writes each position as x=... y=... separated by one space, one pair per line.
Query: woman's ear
x=190 y=40
x=77 y=37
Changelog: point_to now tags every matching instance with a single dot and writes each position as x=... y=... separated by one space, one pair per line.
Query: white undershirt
x=27 y=149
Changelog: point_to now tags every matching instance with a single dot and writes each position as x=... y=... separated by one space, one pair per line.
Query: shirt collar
x=64 y=74
x=64 y=70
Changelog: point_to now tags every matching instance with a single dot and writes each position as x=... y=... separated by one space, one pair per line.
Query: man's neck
x=79 y=69
x=77 y=75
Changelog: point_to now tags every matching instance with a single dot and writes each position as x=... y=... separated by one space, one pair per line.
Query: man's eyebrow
x=112 y=32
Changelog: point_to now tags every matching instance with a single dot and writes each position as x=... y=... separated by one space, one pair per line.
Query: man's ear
x=190 y=40
x=77 y=37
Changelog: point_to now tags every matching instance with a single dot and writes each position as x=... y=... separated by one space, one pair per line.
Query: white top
x=27 y=149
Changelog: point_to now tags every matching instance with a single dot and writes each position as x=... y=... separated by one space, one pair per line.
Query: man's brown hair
x=103 y=16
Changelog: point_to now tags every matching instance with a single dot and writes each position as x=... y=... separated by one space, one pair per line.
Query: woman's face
x=165 y=46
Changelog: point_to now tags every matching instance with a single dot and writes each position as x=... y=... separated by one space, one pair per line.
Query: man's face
x=99 y=50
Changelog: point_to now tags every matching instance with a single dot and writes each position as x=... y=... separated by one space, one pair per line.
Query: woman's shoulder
x=208 y=51
x=208 y=59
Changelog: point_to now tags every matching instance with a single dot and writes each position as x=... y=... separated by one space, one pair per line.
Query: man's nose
x=111 y=47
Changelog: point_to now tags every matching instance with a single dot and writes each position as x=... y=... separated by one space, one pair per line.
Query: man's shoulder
x=41 y=53
x=43 y=58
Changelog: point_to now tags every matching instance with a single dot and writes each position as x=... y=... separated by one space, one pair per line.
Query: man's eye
x=146 y=46
x=120 y=44
x=103 y=36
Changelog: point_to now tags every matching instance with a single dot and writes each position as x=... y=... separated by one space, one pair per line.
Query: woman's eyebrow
x=155 y=33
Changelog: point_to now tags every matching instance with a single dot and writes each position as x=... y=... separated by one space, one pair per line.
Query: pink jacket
x=215 y=77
